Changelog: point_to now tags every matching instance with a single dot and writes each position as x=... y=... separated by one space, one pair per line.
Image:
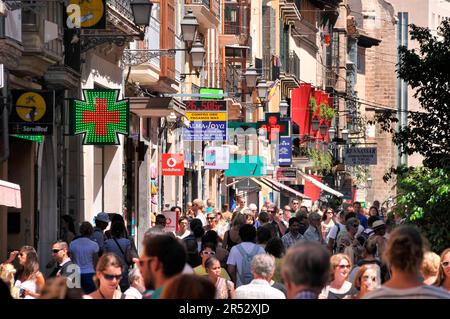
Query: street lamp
x=323 y=128
x=332 y=133
x=284 y=108
x=251 y=76
x=197 y=54
x=344 y=134
x=262 y=88
x=315 y=124
x=369 y=182
x=189 y=26
x=142 y=11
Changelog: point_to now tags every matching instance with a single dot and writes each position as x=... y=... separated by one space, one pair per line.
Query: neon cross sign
x=274 y=126
x=101 y=117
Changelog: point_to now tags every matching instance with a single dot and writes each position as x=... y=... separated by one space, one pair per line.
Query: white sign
x=1 y=76
x=171 y=220
x=216 y=157
x=361 y=156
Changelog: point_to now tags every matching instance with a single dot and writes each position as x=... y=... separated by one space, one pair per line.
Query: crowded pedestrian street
x=224 y=154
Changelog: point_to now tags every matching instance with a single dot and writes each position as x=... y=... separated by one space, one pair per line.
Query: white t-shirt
x=235 y=257
x=258 y=289
x=202 y=217
x=420 y=292
x=82 y=252
x=333 y=231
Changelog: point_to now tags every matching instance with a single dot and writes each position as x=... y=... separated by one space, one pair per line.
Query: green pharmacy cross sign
x=100 y=117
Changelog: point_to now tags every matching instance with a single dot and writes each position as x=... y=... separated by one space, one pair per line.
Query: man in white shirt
x=313 y=232
x=137 y=287
x=238 y=263
x=263 y=267
x=335 y=230
x=198 y=210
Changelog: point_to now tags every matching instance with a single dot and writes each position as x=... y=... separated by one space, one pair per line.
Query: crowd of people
x=247 y=253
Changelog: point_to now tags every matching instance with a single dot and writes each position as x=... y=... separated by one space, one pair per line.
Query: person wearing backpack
x=334 y=232
x=241 y=255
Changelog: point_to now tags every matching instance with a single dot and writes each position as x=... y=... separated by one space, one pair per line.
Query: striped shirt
x=420 y=292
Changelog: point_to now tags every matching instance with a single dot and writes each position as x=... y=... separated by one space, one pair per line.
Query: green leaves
x=425 y=201
x=426 y=71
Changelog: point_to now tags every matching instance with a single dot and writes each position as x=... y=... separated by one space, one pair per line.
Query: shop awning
x=144 y=106
x=281 y=186
x=10 y=194
x=320 y=185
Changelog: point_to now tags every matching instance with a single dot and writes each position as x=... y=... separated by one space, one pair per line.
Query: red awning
x=10 y=194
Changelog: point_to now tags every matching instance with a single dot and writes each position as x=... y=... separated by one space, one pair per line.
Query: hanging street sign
x=211 y=93
x=172 y=164
x=85 y=14
x=286 y=173
x=208 y=120
x=284 y=151
x=361 y=156
x=217 y=157
x=32 y=112
x=100 y=117
x=247 y=165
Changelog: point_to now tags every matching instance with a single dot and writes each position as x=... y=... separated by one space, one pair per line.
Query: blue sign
x=206 y=131
x=285 y=151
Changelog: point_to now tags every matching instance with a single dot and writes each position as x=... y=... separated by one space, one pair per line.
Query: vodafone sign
x=173 y=164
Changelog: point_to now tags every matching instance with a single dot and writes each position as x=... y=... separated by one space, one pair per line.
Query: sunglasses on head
x=55 y=251
x=112 y=277
x=445 y=264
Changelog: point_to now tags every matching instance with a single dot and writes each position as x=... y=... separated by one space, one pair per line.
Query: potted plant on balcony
x=312 y=105
x=327 y=113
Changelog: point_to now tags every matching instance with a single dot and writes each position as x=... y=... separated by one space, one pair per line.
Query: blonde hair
x=7 y=272
x=334 y=262
x=430 y=264
x=441 y=274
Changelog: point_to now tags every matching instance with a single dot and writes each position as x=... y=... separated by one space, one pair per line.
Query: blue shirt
x=363 y=220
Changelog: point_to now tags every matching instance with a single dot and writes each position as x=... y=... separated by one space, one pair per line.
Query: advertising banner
x=32 y=112
x=208 y=120
x=285 y=151
x=217 y=158
x=361 y=156
x=172 y=164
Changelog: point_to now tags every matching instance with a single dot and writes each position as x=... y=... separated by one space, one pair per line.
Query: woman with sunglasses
x=30 y=280
x=327 y=222
x=107 y=277
x=339 y=287
x=224 y=287
x=367 y=279
x=443 y=279
x=208 y=250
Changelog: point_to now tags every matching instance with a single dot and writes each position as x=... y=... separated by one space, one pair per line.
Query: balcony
x=290 y=72
x=331 y=78
x=290 y=11
x=121 y=16
x=147 y=74
x=207 y=13
x=40 y=53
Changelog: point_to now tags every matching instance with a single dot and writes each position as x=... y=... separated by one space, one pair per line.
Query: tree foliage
x=427 y=71
x=424 y=200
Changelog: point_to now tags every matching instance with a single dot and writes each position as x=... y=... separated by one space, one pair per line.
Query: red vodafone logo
x=173 y=164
